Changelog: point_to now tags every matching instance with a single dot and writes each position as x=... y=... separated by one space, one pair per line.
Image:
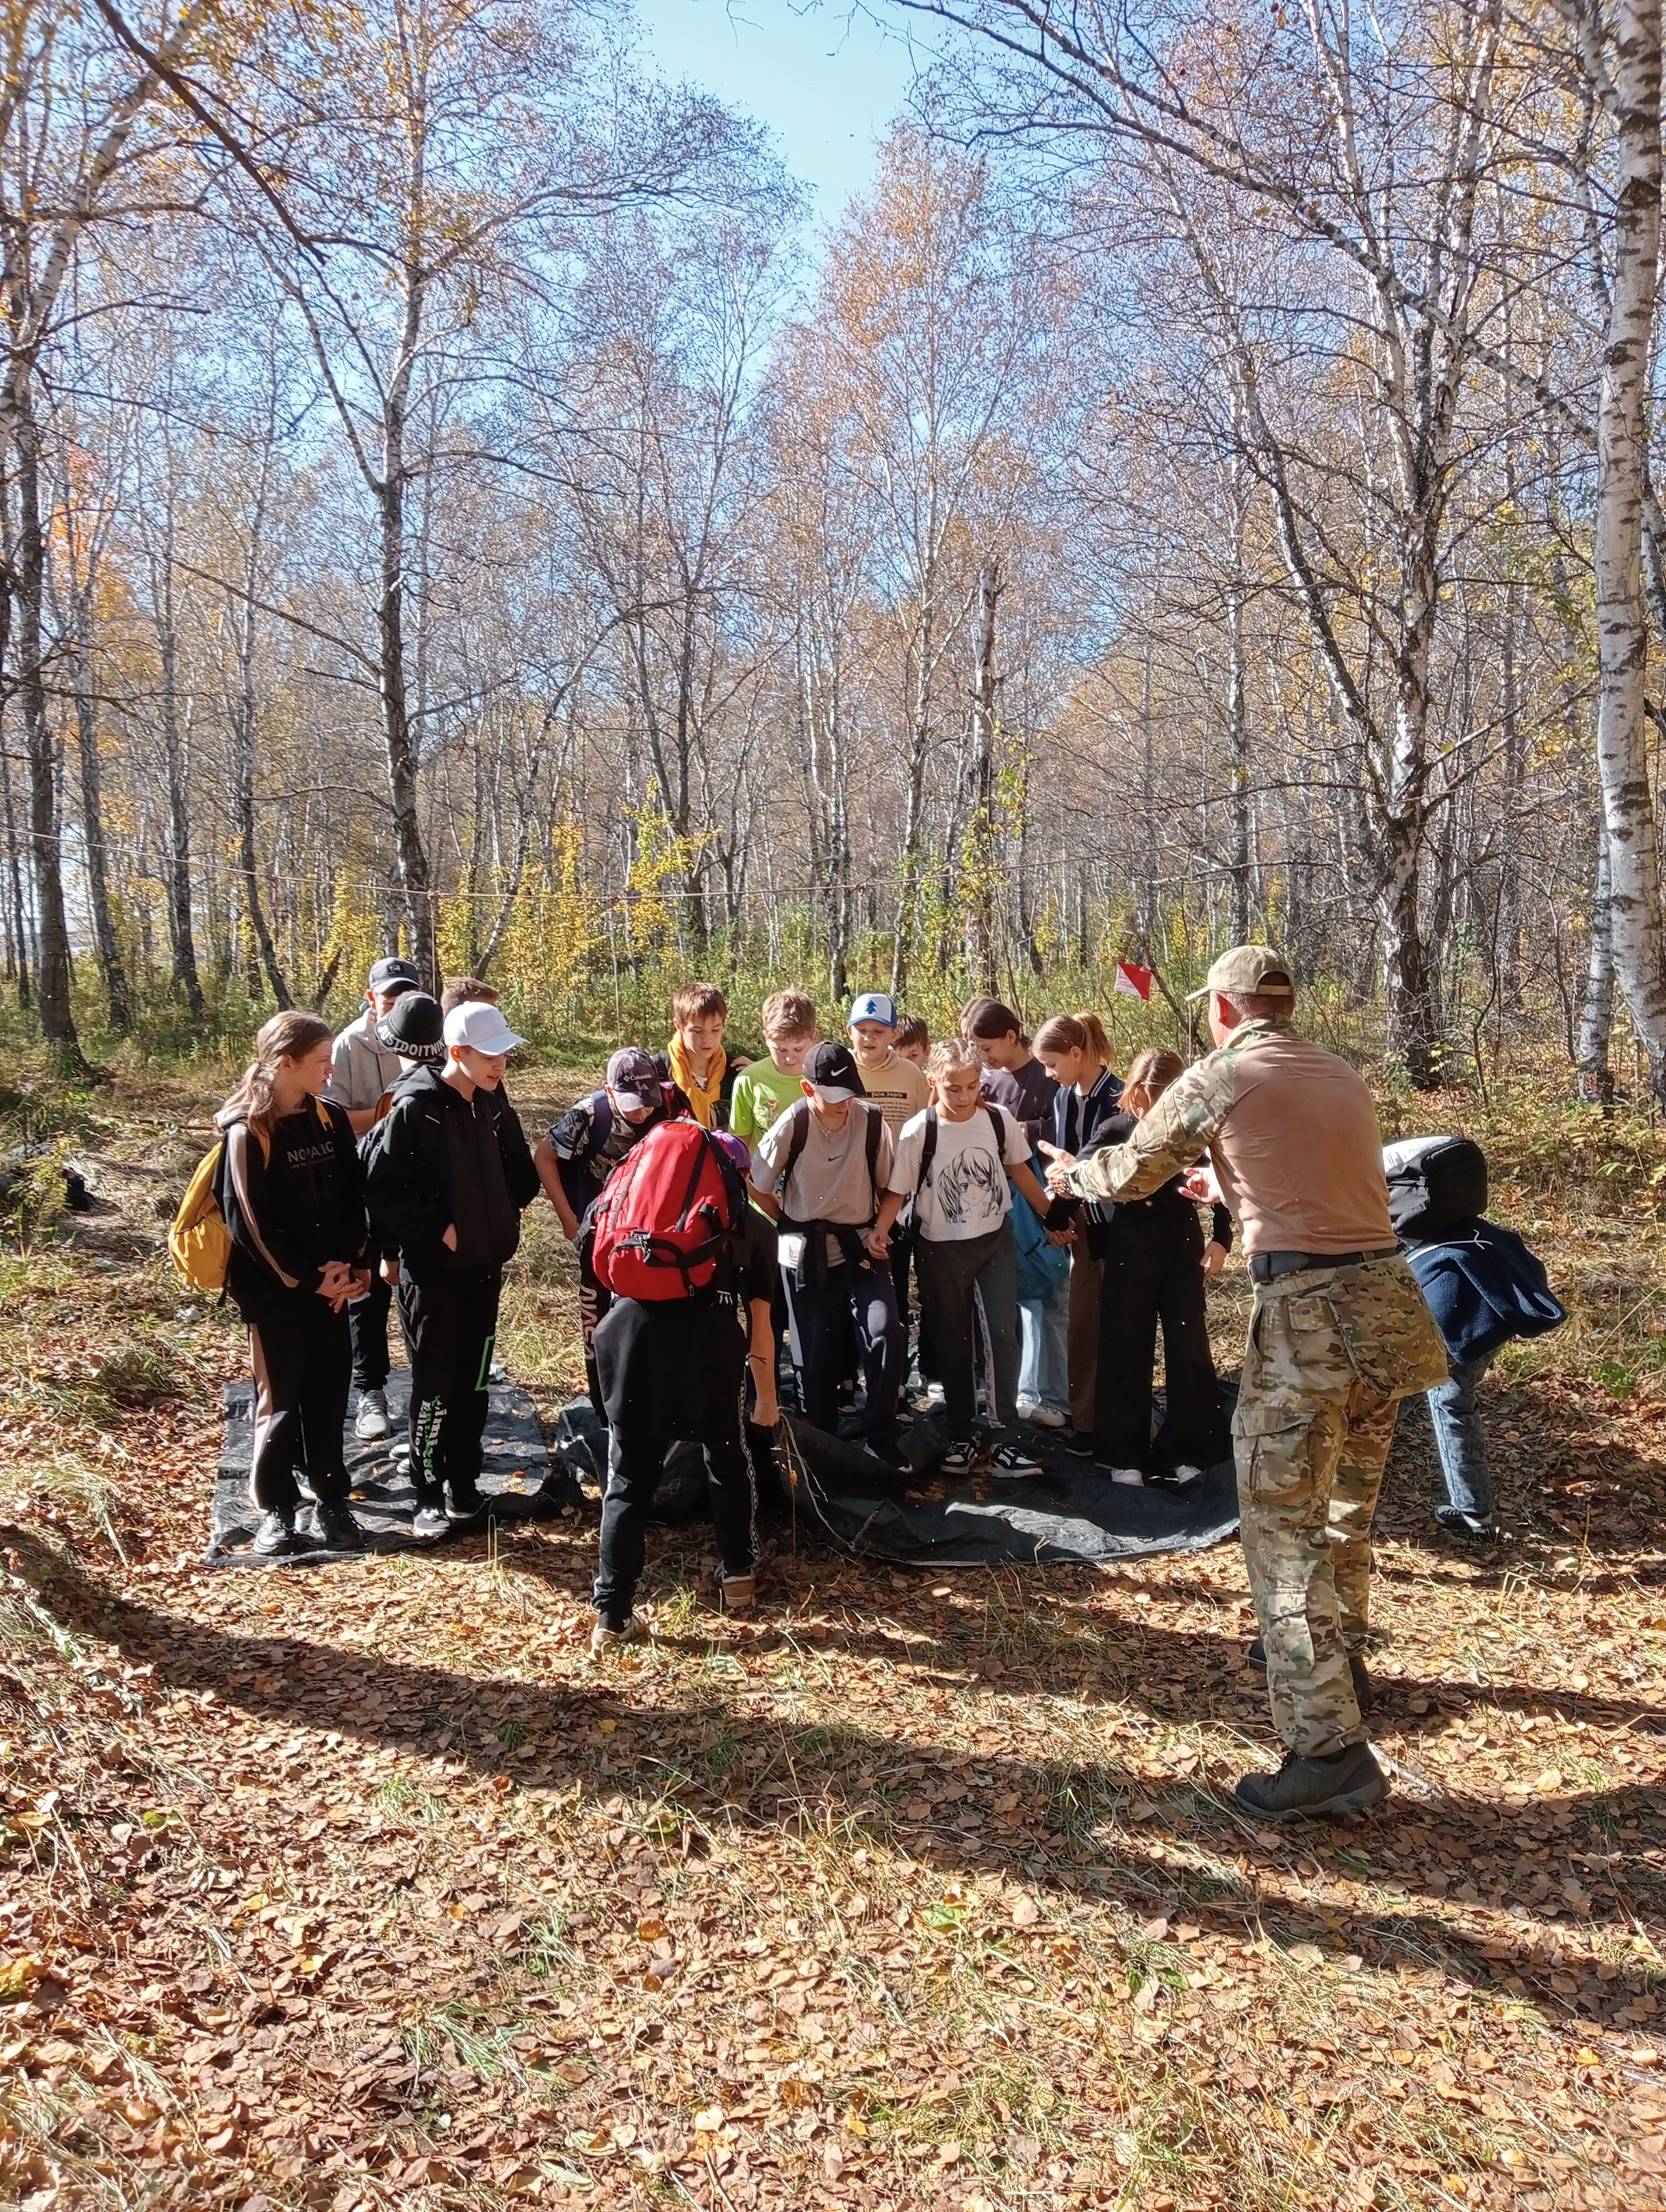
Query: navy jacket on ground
x=1484 y=1287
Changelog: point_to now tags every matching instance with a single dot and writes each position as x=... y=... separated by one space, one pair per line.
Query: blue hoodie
x=1484 y=1287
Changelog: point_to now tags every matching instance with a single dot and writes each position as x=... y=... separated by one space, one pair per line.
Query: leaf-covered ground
x=336 y=1887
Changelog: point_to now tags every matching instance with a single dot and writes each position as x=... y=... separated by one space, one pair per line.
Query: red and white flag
x=1133 y=982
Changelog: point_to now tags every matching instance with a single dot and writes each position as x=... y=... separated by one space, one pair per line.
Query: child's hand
x=1061 y=1239
x=878 y=1243
x=1214 y=1259
x=389 y=1271
x=1059 y=1171
x=449 y=1240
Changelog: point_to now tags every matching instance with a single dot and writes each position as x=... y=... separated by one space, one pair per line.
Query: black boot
x=1347 y=1781
x=334 y=1527
x=1364 y=1695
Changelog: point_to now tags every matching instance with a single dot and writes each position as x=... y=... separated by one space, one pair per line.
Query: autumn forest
x=454 y=495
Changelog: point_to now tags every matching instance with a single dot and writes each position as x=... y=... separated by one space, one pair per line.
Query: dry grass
x=364 y=1885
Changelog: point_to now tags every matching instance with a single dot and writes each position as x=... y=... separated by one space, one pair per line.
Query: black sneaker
x=1455 y=1522
x=1315 y=1788
x=276 y=1537
x=1080 y=1445
x=960 y=1458
x=1010 y=1462
x=1364 y=1695
x=466 y=1504
x=334 y=1527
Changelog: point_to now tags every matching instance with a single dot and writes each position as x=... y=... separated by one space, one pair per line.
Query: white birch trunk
x=1639 y=948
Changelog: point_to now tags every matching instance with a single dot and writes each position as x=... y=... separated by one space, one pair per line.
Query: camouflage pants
x=1331 y=1352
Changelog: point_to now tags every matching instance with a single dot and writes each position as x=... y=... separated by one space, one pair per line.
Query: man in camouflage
x=1340 y=1335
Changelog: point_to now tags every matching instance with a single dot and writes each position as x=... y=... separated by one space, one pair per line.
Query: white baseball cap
x=480 y=1025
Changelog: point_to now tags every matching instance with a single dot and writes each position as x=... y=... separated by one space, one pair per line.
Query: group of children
x=893 y=1226
x=888 y=1163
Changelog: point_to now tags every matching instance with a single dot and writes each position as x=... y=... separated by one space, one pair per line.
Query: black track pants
x=451 y=1326
x=303 y=1359
x=368 y=1318
x=635 y=1464
x=1153 y=1271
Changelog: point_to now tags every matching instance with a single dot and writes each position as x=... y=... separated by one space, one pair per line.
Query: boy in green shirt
x=768 y=1087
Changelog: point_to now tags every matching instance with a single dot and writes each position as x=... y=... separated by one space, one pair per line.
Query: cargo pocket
x=1388 y=1333
x=1272 y=1444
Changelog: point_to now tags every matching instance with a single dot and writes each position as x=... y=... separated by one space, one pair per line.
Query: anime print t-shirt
x=965 y=1193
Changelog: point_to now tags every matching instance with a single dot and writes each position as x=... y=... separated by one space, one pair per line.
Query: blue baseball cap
x=874 y=1006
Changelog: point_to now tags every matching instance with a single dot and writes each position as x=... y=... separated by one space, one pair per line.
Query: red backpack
x=668 y=1215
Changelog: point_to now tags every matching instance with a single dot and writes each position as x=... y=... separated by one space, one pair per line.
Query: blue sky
x=825 y=80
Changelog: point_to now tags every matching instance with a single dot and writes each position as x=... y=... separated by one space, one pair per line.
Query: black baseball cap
x=395 y=975
x=830 y=1068
x=413 y=1027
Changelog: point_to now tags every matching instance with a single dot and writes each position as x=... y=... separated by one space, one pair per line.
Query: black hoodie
x=291 y=1204
x=437 y=1159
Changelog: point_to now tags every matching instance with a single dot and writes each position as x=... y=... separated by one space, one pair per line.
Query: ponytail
x=286 y=1036
x=1080 y=1032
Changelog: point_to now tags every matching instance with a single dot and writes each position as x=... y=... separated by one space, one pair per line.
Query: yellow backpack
x=199 y=1243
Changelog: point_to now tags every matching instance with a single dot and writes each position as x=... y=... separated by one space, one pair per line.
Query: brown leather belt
x=1268 y=1266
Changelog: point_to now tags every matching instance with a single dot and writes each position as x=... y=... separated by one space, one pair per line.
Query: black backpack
x=1433 y=1182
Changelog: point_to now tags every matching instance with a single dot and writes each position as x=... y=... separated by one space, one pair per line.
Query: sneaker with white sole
x=960 y=1458
x=429 y=1523
x=373 y=1423
x=1050 y=1416
x=1174 y=1478
x=737 y=1593
x=276 y=1537
x=1010 y=1462
x=1129 y=1477
x=603 y=1640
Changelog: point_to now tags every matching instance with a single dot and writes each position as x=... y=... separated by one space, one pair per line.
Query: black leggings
x=303 y=1361
x=1154 y=1271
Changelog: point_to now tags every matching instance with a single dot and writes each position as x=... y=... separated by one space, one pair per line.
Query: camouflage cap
x=1248 y=968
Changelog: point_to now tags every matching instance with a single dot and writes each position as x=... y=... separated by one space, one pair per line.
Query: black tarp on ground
x=518 y=1481
x=1071 y=1511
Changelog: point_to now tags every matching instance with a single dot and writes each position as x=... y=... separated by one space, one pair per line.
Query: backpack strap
x=927 y=1149
x=796 y=1142
x=876 y=1122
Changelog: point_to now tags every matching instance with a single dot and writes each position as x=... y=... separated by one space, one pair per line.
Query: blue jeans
x=1045 y=1348
x=1456 y=1420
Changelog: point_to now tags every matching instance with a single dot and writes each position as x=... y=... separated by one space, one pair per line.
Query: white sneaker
x=373 y=1422
x=1027 y=1408
x=1129 y=1477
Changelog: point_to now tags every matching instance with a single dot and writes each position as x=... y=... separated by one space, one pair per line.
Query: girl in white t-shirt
x=954 y=1160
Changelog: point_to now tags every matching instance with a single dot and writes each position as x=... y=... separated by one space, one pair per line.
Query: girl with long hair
x=292 y=1191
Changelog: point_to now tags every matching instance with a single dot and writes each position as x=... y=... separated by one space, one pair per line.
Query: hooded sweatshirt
x=438 y=1160
x=292 y=1205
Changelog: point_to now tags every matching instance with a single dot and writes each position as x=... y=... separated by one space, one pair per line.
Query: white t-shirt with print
x=966 y=1193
